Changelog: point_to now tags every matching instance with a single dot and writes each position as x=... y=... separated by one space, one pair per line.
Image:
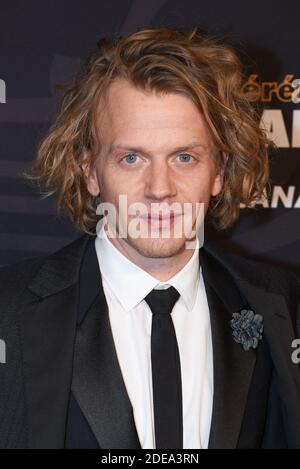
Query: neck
x=162 y=268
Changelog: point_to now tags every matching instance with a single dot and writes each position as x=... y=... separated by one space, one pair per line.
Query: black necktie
x=166 y=374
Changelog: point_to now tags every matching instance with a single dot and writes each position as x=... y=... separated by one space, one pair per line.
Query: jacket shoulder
x=15 y=277
x=260 y=273
x=59 y=266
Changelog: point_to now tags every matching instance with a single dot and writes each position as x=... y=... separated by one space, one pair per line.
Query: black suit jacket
x=62 y=385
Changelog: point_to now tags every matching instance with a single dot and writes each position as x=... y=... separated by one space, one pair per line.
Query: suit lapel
x=98 y=384
x=66 y=294
x=277 y=300
x=233 y=367
x=279 y=332
x=48 y=324
x=48 y=329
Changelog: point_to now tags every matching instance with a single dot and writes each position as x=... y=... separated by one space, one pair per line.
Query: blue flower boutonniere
x=247 y=328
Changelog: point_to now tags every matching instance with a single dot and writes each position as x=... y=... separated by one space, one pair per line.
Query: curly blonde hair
x=164 y=60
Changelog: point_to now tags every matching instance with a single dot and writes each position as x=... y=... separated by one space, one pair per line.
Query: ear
x=218 y=182
x=90 y=174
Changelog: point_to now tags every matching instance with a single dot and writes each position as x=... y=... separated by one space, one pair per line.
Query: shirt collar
x=130 y=284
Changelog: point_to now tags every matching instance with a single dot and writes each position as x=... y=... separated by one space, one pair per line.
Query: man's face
x=155 y=149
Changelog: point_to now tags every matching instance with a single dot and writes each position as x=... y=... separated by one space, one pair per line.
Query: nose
x=159 y=184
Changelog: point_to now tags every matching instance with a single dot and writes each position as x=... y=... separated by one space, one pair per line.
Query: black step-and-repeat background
x=41 y=44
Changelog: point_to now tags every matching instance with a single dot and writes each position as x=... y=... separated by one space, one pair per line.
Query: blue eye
x=131 y=158
x=185 y=157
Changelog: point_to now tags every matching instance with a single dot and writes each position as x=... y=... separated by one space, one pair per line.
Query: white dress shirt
x=125 y=286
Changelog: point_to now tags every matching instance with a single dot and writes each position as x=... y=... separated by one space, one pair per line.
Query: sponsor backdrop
x=40 y=48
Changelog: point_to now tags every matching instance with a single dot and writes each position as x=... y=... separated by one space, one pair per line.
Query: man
x=123 y=339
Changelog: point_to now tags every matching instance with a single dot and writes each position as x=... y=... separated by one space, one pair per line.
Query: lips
x=159 y=215
x=159 y=220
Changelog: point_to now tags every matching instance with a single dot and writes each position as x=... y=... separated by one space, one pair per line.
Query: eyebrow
x=135 y=149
